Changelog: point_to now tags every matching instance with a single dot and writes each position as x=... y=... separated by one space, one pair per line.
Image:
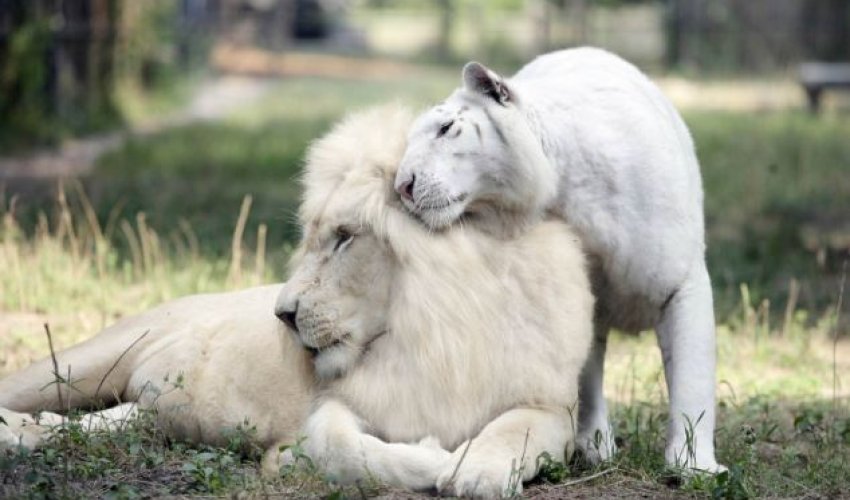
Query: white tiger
x=585 y=135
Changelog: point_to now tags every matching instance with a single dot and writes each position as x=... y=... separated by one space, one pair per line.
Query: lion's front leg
x=336 y=443
x=505 y=454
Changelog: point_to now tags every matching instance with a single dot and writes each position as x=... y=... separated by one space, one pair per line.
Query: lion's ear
x=480 y=79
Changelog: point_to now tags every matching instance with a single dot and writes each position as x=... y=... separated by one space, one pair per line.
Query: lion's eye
x=445 y=128
x=343 y=238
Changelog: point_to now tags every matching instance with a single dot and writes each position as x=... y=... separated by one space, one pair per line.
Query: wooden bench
x=815 y=77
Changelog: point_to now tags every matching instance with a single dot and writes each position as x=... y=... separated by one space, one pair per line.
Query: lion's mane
x=475 y=327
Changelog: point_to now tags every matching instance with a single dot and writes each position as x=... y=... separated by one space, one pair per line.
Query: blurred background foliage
x=151 y=149
x=65 y=63
x=180 y=108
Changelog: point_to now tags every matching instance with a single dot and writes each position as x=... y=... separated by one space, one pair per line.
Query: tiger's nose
x=288 y=316
x=405 y=188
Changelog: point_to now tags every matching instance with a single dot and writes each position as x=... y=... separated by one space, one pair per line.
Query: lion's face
x=337 y=297
x=338 y=294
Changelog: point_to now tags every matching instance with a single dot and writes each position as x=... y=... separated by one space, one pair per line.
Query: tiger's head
x=475 y=154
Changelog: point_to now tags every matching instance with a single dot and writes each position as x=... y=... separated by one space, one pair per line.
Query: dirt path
x=213 y=100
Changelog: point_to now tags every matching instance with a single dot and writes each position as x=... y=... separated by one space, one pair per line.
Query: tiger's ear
x=480 y=79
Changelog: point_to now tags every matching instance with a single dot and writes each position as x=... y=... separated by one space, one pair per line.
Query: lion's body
x=584 y=135
x=207 y=363
x=416 y=337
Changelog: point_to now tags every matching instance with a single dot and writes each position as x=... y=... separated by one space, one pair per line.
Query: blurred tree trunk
x=60 y=60
x=673 y=39
x=541 y=19
x=578 y=11
x=444 y=39
x=100 y=80
x=825 y=29
x=281 y=25
x=26 y=75
x=756 y=35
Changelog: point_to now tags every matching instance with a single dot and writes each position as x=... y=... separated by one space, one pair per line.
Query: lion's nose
x=288 y=316
x=405 y=189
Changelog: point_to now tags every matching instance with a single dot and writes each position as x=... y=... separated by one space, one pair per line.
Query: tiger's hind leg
x=687 y=339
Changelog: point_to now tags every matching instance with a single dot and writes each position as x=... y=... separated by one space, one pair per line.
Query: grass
x=777 y=199
x=157 y=220
x=776 y=186
x=140 y=461
x=199 y=174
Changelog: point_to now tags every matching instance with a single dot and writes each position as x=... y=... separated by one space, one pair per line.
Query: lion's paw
x=49 y=419
x=20 y=430
x=282 y=457
x=480 y=475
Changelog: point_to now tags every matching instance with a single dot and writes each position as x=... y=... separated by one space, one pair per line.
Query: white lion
x=206 y=362
x=585 y=135
x=465 y=334
x=457 y=338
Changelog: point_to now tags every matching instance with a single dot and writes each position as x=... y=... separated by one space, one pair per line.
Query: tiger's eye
x=445 y=128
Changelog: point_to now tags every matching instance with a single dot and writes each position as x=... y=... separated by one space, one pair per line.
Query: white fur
x=446 y=338
x=207 y=363
x=483 y=336
x=585 y=135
